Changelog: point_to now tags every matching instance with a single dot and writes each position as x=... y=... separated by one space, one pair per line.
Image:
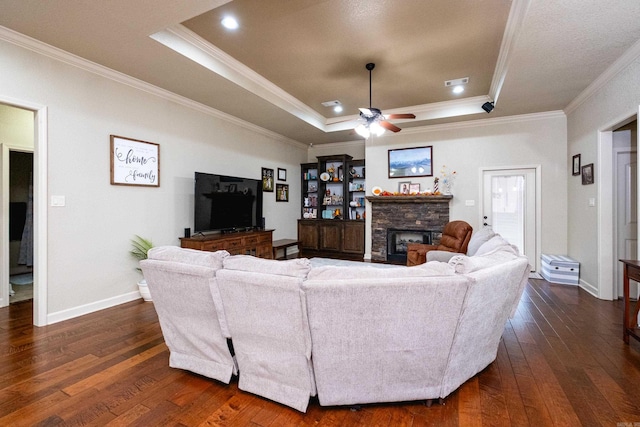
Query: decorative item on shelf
x=327 y=214
x=435 y=185
x=324 y=176
x=448 y=180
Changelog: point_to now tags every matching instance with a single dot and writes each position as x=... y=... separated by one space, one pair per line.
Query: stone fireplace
x=426 y=215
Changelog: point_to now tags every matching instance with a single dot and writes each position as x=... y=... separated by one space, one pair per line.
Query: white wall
x=613 y=102
x=16 y=126
x=469 y=146
x=88 y=239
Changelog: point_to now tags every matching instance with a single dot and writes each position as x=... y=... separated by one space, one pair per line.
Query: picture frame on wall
x=576 y=165
x=282 y=174
x=408 y=162
x=282 y=192
x=587 y=174
x=134 y=162
x=267 y=180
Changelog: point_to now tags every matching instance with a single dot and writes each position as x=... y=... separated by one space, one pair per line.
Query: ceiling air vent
x=456 y=82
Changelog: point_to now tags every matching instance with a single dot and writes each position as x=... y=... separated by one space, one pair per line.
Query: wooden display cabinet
x=333 y=207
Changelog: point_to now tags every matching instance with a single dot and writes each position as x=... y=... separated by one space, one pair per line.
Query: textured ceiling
x=289 y=56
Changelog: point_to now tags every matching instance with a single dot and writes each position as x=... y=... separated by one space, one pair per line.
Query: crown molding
x=486 y=122
x=614 y=69
x=63 y=56
x=515 y=22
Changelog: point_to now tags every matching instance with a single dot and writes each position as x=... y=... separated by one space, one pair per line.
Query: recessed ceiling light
x=337 y=109
x=458 y=89
x=230 y=23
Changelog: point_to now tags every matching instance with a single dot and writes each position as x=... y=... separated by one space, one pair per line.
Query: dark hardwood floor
x=561 y=362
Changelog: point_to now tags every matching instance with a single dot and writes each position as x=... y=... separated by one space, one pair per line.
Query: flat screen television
x=226 y=203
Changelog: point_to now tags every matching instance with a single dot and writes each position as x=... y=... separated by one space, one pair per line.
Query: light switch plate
x=57 y=201
x=592 y=201
x=469 y=202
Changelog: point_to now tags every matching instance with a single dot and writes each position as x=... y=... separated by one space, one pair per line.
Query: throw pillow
x=478 y=238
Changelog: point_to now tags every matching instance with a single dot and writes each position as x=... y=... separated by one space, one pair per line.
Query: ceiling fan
x=372 y=120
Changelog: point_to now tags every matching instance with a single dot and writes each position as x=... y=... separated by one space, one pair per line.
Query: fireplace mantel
x=408 y=199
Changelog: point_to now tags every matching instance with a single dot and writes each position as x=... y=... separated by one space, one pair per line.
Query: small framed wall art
x=282 y=192
x=134 y=162
x=587 y=174
x=282 y=174
x=267 y=180
x=576 y=165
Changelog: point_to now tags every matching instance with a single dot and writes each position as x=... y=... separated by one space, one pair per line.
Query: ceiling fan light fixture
x=362 y=131
x=376 y=129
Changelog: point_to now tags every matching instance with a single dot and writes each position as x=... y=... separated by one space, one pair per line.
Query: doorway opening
x=20 y=225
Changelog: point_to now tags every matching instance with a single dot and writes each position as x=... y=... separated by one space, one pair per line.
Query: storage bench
x=560 y=269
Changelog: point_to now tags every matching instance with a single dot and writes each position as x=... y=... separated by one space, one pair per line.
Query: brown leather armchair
x=455 y=238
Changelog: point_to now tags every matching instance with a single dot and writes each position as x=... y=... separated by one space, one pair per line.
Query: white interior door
x=509 y=207
x=627 y=213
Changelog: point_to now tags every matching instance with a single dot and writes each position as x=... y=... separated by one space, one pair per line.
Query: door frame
x=40 y=191
x=538 y=198
x=605 y=219
x=614 y=157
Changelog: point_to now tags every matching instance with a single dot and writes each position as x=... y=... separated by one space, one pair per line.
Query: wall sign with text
x=134 y=162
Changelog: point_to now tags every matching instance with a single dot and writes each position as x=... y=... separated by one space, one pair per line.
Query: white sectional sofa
x=349 y=332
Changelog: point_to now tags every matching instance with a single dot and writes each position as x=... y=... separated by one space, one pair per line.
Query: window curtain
x=26 y=244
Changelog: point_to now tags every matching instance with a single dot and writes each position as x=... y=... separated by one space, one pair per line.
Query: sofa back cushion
x=298 y=267
x=188 y=256
x=380 y=271
x=497 y=242
x=478 y=238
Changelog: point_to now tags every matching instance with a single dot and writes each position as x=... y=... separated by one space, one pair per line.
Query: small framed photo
x=282 y=174
x=587 y=174
x=267 y=180
x=404 y=187
x=576 y=165
x=282 y=192
x=414 y=188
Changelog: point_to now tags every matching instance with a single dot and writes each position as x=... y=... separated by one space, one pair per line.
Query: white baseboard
x=589 y=288
x=71 y=313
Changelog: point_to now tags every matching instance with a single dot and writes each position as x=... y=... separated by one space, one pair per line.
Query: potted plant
x=140 y=248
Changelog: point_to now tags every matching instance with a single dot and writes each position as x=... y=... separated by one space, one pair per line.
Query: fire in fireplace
x=397 y=241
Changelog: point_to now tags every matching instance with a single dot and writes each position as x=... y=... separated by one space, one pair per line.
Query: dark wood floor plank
x=561 y=361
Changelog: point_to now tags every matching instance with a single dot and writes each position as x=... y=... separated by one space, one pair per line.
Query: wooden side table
x=630 y=320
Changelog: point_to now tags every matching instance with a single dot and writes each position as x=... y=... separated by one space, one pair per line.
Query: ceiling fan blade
x=400 y=116
x=390 y=126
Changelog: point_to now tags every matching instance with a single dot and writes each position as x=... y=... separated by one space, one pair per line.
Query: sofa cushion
x=188 y=256
x=463 y=264
x=478 y=238
x=371 y=271
x=494 y=243
x=298 y=267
